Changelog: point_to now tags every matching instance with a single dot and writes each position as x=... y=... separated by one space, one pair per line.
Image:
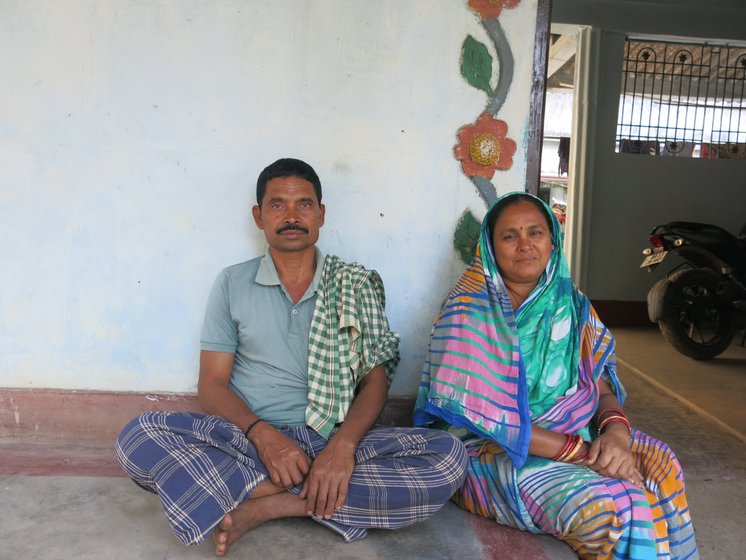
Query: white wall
x=132 y=134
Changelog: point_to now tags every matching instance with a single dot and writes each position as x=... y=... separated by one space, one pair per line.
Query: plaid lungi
x=202 y=467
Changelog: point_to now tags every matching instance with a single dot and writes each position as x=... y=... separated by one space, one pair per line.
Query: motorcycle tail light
x=656 y=240
x=678 y=242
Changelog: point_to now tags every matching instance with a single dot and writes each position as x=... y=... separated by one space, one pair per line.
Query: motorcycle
x=701 y=304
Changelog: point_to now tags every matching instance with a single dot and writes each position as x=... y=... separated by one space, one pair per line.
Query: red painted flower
x=484 y=147
x=491 y=8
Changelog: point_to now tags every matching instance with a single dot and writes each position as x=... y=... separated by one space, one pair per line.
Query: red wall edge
x=98 y=416
x=622 y=313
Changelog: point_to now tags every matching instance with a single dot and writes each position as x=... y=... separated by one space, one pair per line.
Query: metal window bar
x=675 y=96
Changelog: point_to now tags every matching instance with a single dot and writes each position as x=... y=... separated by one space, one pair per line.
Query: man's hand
x=286 y=463
x=610 y=456
x=325 y=488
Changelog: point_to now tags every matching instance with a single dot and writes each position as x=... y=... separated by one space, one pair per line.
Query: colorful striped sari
x=493 y=373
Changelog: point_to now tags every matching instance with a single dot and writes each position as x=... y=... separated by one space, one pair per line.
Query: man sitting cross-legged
x=296 y=359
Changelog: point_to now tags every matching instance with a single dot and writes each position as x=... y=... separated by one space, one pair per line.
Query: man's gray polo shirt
x=251 y=315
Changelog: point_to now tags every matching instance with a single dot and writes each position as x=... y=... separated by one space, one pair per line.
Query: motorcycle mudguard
x=655 y=299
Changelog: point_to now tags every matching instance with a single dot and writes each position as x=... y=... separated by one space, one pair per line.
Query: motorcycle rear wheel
x=694 y=321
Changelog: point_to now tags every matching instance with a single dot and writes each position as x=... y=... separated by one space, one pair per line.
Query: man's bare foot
x=252 y=513
x=233 y=525
x=220 y=535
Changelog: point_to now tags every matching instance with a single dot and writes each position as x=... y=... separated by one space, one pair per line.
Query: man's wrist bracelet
x=251 y=427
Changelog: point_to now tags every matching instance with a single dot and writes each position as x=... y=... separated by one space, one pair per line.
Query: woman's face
x=522 y=242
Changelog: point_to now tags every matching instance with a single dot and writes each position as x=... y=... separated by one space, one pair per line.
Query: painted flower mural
x=484 y=147
x=491 y=8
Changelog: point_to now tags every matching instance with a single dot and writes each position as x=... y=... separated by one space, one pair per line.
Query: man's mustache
x=292 y=227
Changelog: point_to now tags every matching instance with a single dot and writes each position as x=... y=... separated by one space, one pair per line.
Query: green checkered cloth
x=349 y=336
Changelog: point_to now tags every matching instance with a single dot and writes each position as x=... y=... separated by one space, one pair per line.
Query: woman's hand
x=610 y=455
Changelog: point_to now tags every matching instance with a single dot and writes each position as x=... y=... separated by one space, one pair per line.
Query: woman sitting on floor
x=523 y=370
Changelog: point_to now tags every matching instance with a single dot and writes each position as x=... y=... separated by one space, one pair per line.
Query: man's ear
x=256 y=212
x=322 y=215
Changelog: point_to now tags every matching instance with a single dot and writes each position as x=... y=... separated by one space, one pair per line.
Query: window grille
x=683 y=100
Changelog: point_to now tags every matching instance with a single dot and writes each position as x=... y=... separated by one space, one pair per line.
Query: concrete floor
x=671 y=397
x=686 y=403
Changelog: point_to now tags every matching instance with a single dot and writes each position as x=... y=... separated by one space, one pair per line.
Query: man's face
x=290 y=214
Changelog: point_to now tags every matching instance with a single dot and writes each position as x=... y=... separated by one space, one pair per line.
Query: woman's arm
x=546 y=443
x=610 y=453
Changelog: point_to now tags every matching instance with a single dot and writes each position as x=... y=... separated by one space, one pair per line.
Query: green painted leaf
x=476 y=64
x=466 y=236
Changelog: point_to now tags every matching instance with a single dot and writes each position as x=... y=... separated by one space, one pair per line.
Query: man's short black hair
x=287 y=167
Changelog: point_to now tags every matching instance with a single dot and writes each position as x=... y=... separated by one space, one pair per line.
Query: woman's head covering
x=557 y=265
x=495 y=371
